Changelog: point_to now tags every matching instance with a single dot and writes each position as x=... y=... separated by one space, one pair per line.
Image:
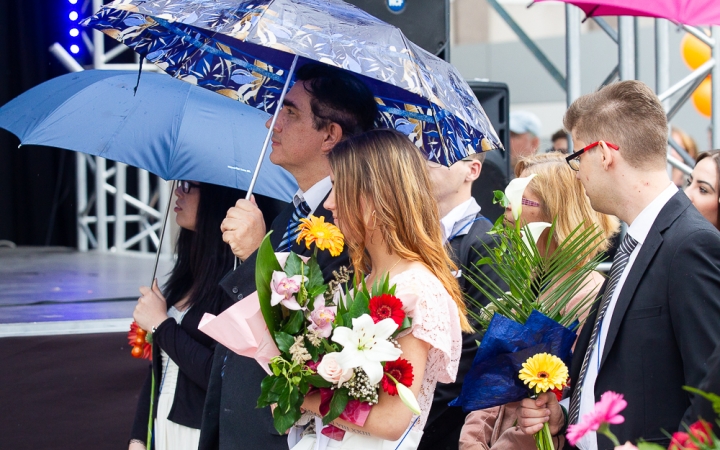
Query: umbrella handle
x=162 y=233
x=290 y=74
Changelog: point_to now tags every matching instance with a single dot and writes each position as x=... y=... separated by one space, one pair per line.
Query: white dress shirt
x=459 y=220
x=314 y=195
x=638 y=230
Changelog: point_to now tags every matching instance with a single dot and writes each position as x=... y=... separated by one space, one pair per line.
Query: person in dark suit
x=465 y=231
x=324 y=106
x=656 y=324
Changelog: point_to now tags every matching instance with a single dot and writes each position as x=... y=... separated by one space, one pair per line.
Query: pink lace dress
x=435 y=321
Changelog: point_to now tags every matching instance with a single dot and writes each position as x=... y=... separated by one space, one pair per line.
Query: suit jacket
x=442 y=430
x=664 y=326
x=230 y=418
x=711 y=383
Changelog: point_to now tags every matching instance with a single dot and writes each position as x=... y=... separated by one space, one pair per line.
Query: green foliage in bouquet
x=536 y=280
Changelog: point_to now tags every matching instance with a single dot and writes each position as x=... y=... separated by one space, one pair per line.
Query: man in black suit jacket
x=656 y=325
x=324 y=105
x=465 y=230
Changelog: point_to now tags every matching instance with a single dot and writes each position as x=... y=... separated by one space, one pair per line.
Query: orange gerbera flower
x=326 y=236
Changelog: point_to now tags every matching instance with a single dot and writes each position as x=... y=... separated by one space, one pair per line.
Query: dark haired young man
x=324 y=106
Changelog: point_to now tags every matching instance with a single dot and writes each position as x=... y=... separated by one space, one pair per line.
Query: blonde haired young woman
x=554 y=193
x=382 y=201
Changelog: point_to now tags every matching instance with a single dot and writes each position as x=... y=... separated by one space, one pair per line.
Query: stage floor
x=58 y=290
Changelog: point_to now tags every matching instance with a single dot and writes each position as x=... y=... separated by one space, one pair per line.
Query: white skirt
x=170 y=435
x=354 y=441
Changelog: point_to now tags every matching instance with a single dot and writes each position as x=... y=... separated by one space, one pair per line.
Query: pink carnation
x=576 y=432
x=608 y=409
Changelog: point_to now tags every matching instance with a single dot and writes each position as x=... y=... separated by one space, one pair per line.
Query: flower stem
x=605 y=429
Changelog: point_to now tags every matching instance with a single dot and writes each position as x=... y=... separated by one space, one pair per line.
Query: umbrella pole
x=148 y=442
x=162 y=234
x=290 y=74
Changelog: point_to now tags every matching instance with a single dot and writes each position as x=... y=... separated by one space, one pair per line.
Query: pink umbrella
x=687 y=12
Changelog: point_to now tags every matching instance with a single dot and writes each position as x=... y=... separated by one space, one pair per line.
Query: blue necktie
x=302 y=211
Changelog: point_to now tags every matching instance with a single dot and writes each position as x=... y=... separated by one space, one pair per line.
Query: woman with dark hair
x=703 y=187
x=182 y=355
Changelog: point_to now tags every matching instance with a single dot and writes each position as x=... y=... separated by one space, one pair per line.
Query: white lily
x=408 y=398
x=366 y=345
x=514 y=192
x=536 y=230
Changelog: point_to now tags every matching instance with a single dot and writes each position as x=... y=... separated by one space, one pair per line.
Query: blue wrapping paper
x=493 y=378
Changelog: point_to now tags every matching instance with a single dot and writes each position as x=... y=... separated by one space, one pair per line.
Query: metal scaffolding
x=108 y=217
x=626 y=38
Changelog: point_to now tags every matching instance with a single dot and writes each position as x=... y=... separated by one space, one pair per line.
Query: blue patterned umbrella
x=244 y=49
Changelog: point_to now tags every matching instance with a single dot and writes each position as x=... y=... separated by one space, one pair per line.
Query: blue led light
x=74 y=32
x=74 y=48
x=72 y=2
x=73 y=15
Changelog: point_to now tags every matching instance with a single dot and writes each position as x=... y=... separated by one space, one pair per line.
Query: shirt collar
x=455 y=223
x=314 y=195
x=644 y=221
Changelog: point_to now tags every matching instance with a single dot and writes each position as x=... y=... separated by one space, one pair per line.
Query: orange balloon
x=695 y=52
x=702 y=97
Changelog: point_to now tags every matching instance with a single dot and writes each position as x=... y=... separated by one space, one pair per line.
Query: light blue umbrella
x=170 y=128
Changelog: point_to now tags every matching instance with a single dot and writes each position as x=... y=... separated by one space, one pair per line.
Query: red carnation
x=700 y=430
x=386 y=306
x=401 y=370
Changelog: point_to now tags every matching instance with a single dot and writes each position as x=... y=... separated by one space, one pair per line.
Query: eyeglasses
x=437 y=165
x=527 y=202
x=574 y=159
x=186 y=186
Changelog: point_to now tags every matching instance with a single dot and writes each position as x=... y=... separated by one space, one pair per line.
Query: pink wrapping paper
x=355 y=412
x=242 y=329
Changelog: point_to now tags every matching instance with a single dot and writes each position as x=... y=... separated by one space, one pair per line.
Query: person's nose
x=278 y=123
x=330 y=202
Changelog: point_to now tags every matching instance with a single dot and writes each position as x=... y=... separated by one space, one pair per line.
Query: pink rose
x=331 y=371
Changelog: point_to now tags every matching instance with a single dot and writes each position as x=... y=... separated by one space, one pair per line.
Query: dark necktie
x=618 y=266
x=302 y=211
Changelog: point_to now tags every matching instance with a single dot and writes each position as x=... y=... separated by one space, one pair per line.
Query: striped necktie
x=618 y=266
x=302 y=211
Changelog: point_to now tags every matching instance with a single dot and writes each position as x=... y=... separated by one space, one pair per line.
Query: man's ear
x=333 y=135
x=608 y=156
x=474 y=172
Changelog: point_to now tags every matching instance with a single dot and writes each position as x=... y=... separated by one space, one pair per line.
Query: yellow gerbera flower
x=544 y=372
x=326 y=236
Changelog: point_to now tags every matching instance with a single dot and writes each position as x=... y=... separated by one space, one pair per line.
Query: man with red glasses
x=656 y=324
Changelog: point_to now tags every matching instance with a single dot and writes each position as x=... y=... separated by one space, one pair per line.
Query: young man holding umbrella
x=324 y=106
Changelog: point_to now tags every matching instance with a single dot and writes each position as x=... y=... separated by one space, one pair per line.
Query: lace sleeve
x=434 y=320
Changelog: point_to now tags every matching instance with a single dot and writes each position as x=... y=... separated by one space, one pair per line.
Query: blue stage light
x=74 y=32
x=74 y=48
x=73 y=15
x=72 y=2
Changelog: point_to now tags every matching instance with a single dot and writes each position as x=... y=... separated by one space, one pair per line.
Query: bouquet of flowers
x=340 y=344
x=544 y=372
x=531 y=315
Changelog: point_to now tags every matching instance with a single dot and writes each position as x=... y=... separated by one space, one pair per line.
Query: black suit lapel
x=672 y=209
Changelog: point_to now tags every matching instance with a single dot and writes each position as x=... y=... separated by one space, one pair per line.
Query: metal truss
x=109 y=218
x=626 y=69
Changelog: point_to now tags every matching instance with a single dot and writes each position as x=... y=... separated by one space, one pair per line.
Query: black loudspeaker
x=425 y=22
x=496 y=171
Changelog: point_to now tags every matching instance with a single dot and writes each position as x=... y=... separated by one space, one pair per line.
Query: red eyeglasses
x=574 y=159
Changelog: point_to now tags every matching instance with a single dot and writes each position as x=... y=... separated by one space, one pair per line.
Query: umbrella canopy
x=243 y=49
x=172 y=129
x=687 y=12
